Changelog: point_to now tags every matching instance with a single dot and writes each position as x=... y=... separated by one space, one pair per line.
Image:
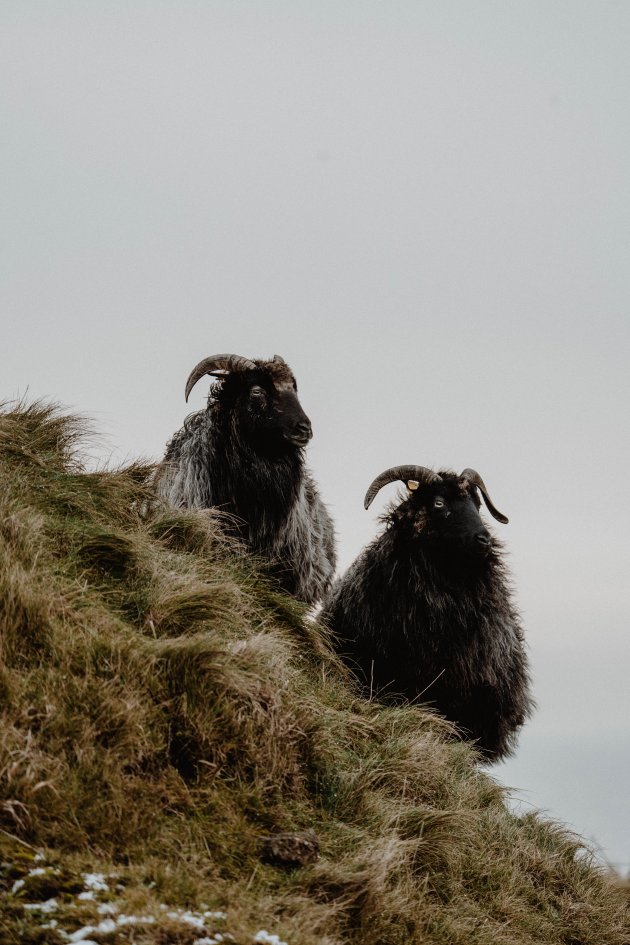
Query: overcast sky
x=425 y=208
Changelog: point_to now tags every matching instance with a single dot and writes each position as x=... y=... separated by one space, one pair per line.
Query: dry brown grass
x=165 y=708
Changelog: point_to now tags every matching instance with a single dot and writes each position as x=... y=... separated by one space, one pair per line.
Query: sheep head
x=441 y=507
x=260 y=397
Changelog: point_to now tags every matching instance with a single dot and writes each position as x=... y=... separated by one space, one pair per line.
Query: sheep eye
x=439 y=503
x=257 y=393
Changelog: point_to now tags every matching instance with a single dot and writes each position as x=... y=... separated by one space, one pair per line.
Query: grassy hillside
x=165 y=712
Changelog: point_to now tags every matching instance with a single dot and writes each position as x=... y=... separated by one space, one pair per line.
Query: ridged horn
x=407 y=474
x=475 y=479
x=217 y=362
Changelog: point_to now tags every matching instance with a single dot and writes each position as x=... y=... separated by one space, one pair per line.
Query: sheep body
x=432 y=620
x=247 y=460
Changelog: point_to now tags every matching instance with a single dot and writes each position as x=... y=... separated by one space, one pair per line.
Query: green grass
x=165 y=709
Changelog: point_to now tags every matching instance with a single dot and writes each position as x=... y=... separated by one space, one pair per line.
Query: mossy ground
x=164 y=709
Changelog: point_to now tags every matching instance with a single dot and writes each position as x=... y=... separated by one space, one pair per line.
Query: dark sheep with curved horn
x=244 y=454
x=425 y=611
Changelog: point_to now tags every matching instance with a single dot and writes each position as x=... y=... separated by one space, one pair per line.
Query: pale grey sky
x=425 y=207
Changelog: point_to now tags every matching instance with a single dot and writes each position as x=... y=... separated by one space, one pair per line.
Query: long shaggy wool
x=271 y=501
x=435 y=628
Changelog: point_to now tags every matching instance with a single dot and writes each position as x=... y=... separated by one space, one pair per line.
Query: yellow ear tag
x=412 y=484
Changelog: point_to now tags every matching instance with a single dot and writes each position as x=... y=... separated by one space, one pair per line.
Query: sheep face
x=266 y=410
x=445 y=515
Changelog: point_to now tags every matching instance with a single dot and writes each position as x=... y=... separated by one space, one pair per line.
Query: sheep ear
x=473 y=477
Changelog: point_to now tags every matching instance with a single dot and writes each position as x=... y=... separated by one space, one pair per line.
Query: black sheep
x=425 y=611
x=244 y=454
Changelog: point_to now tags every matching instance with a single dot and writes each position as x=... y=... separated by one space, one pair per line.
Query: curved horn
x=217 y=362
x=475 y=479
x=407 y=474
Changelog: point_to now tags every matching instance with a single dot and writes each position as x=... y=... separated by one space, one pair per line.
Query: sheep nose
x=483 y=539
x=300 y=433
x=304 y=429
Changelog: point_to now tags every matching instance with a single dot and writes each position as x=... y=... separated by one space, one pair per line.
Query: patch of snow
x=87 y=895
x=215 y=915
x=95 y=881
x=105 y=927
x=105 y=908
x=267 y=938
x=135 y=919
x=206 y=941
x=38 y=871
x=189 y=918
x=83 y=934
x=39 y=857
x=50 y=905
x=17 y=885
